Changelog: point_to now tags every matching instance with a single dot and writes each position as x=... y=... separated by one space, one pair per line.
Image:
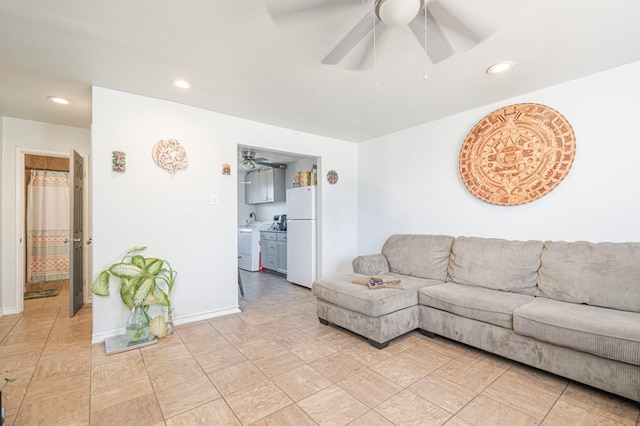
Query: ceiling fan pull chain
x=375 y=58
x=426 y=54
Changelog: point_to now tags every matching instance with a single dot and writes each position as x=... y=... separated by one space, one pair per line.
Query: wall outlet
x=214 y=200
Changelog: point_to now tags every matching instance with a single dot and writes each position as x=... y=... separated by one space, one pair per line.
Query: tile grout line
x=37 y=363
x=207 y=375
x=564 y=389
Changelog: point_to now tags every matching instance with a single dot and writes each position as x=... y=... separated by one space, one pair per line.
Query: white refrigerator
x=301 y=235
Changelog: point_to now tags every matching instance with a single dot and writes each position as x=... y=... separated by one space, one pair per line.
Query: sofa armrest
x=371 y=264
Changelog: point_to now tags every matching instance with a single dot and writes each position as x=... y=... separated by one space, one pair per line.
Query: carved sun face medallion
x=170 y=155
x=517 y=154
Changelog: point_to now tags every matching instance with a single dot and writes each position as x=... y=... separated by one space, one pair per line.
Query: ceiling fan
x=249 y=161
x=382 y=14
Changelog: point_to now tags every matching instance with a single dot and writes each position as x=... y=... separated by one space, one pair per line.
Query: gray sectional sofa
x=572 y=309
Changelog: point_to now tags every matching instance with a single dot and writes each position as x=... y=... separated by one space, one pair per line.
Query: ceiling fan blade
x=449 y=20
x=364 y=60
x=362 y=28
x=290 y=12
x=438 y=46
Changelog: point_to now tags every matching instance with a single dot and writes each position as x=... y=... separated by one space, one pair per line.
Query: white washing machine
x=249 y=248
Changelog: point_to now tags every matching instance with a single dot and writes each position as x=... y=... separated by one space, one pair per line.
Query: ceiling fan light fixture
x=398 y=12
x=248 y=157
x=500 y=67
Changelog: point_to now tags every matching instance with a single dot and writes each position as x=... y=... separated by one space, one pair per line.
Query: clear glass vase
x=168 y=316
x=137 y=328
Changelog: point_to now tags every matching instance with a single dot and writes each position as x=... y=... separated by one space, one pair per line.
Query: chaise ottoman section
x=379 y=315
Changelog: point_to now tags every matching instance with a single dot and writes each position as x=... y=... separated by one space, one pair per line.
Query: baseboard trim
x=205 y=316
x=10 y=311
x=101 y=337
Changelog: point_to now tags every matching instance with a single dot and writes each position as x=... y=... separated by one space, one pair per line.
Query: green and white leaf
x=143 y=288
x=158 y=326
x=126 y=294
x=100 y=286
x=153 y=266
x=138 y=260
x=125 y=270
x=157 y=297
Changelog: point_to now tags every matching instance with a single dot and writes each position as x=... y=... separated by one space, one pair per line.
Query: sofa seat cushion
x=339 y=291
x=496 y=264
x=422 y=256
x=598 y=274
x=604 y=332
x=490 y=306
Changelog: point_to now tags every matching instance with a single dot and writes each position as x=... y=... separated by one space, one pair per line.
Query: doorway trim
x=20 y=228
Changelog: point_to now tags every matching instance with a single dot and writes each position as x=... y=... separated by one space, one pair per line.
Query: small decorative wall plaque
x=517 y=154
x=332 y=177
x=226 y=169
x=170 y=155
x=119 y=161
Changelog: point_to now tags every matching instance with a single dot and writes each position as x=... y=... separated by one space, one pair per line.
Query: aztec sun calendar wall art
x=517 y=154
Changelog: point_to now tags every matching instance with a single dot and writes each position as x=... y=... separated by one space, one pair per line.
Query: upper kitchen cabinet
x=265 y=186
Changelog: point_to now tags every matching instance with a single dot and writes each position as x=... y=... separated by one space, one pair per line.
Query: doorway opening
x=263 y=217
x=46 y=226
x=78 y=264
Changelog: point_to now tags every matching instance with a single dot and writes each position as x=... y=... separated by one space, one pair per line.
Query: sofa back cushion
x=422 y=256
x=598 y=274
x=496 y=264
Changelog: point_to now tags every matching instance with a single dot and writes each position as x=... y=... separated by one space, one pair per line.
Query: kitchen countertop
x=261 y=226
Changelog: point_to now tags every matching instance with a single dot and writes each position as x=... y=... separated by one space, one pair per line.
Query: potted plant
x=6 y=381
x=144 y=281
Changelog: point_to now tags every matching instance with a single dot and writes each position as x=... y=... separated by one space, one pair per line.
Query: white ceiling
x=243 y=65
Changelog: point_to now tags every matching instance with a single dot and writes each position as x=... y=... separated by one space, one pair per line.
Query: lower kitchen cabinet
x=282 y=253
x=273 y=246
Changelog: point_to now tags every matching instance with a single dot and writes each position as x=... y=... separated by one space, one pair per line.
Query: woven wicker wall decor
x=517 y=154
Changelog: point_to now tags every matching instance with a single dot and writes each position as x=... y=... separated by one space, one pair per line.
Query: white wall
x=172 y=215
x=31 y=135
x=409 y=181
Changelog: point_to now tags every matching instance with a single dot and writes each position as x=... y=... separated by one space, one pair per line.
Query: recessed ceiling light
x=183 y=84
x=59 y=100
x=500 y=67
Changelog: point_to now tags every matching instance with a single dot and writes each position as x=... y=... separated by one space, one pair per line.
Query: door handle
x=75 y=240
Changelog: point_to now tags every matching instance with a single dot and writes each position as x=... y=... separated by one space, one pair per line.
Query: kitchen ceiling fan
x=249 y=161
x=380 y=15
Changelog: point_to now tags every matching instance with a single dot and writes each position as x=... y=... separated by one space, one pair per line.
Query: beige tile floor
x=274 y=364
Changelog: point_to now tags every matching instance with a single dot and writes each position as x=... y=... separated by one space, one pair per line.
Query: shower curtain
x=48 y=219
